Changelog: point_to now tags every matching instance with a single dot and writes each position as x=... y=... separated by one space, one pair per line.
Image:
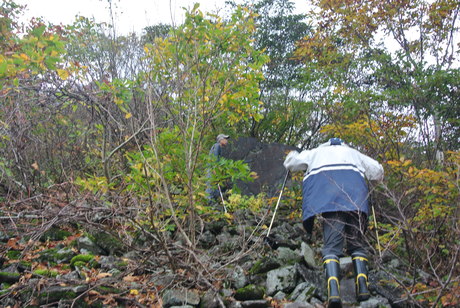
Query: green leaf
x=37 y=32
x=3 y=66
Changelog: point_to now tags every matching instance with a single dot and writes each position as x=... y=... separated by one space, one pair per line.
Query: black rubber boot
x=332 y=268
x=360 y=267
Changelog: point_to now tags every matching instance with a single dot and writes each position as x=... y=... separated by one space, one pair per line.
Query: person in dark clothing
x=213 y=192
x=335 y=187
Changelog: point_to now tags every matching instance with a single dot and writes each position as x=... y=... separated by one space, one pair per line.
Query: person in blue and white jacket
x=335 y=186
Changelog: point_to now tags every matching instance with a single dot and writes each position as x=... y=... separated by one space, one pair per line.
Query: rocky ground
x=66 y=263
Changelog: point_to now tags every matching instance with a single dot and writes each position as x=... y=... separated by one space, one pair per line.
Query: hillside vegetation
x=106 y=137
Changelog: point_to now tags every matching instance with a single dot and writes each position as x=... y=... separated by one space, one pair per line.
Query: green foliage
x=13 y=254
x=253 y=203
x=383 y=136
x=285 y=110
x=137 y=120
x=217 y=64
x=38 y=51
x=428 y=200
x=31 y=64
x=228 y=170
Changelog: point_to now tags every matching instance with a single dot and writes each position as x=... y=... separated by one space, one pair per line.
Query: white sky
x=131 y=15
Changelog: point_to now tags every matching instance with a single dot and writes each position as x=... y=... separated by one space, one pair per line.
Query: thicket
x=129 y=120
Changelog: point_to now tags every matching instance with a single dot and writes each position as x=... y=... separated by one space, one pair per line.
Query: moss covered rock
x=264 y=265
x=9 y=277
x=56 y=293
x=55 y=234
x=46 y=273
x=250 y=292
x=83 y=260
x=111 y=244
x=55 y=255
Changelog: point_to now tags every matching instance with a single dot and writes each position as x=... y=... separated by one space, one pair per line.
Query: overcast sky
x=131 y=15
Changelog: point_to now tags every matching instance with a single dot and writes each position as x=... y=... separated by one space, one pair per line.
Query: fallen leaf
x=134 y=292
x=103 y=275
x=130 y=278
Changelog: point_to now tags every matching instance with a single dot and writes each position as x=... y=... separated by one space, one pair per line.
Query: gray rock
x=176 y=297
x=298 y=305
x=316 y=303
x=211 y=299
x=303 y=292
x=235 y=305
x=9 y=277
x=110 y=262
x=308 y=255
x=286 y=255
x=73 y=275
x=255 y=304
x=264 y=265
x=250 y=292
x=108 y=242
x=164 y=279
x=56 y=293
x=207 y=239
x=13 y=268
x=316 y=278
x=114 y=272
x=226 y=292
x=64 y=255
x=375 y=302
x=238 y=278
x=394 y=263
x=85 y=244
x=347 y=290
x=279 y=296
x=346 y=265
x=282 y=279
x=227 y=242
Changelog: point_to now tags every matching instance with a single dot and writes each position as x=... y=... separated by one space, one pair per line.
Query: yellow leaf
x=24 y=56
x=63 y=74
x=134 y=292
x=128 y=115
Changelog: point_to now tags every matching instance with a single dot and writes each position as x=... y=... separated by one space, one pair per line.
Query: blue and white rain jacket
x=335 y=178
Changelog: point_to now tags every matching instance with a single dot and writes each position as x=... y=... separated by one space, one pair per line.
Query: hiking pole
x=222 y=197
x=269 y=241
x=376 y=231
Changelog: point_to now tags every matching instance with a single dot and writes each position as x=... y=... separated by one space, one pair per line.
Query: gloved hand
x=292 y=163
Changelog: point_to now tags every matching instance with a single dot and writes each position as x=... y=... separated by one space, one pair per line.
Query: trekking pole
x=376 y=232
x=267 y=240
x=222 y=197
